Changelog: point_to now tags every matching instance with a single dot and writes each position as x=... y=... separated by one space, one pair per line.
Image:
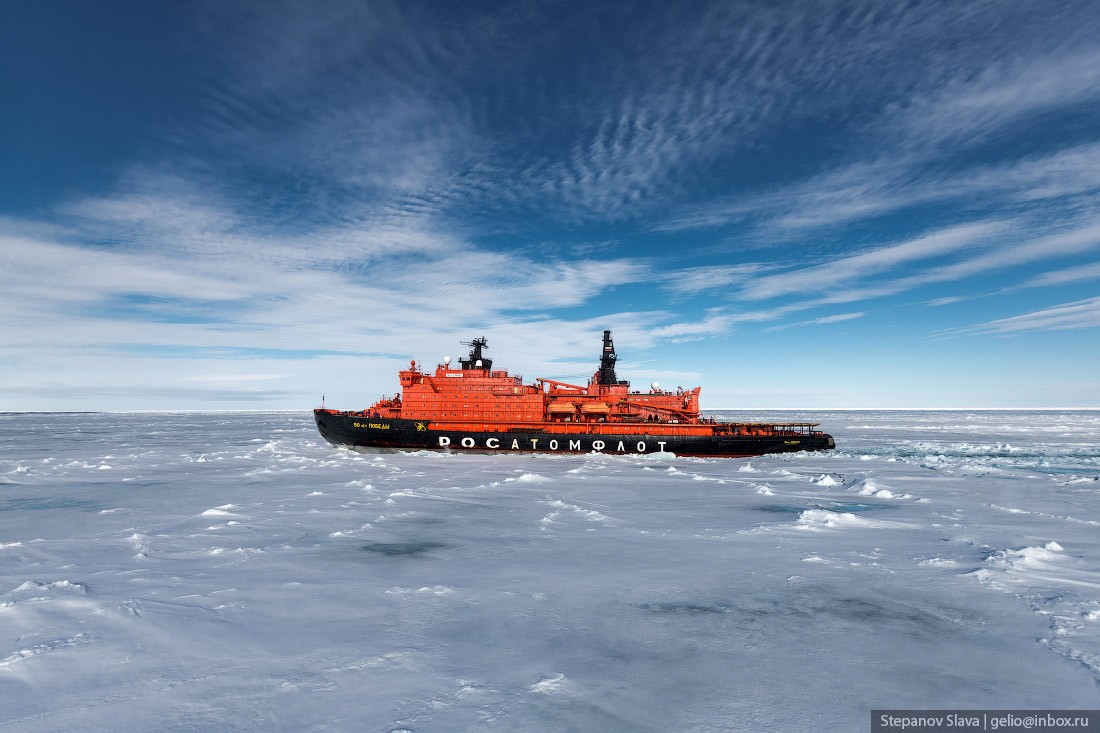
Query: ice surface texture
x=233 y=572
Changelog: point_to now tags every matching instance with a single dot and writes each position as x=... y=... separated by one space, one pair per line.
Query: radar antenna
x=476 y=360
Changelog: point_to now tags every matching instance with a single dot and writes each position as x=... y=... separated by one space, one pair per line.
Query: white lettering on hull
x=445 y=441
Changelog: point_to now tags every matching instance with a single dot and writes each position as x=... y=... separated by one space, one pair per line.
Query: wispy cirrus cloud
x=966 y=109
x=1075 y=241
x=914 y=151
x=883 y=187
x=188 y=274
x=1069 y=243
x=349 y=176
x=1075 y=315
x=822 y=321
x=1075 y=274
x=693 y=280
x=197 y=251
x=837 y=272
x=750 y=66
x=715 y=323
x=1064 y=179
x=447 y=116
x=950 y=255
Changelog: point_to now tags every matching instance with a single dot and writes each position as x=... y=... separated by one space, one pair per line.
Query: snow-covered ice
x=231 y=571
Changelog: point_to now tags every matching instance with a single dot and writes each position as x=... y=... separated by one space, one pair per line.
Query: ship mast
x=475 y=360
x=606 y=375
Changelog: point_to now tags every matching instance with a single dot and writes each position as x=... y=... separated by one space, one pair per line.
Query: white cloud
x=120 y=321
x=1063 y=179
x=1077 y=273
x=840 y=271
x=693 y=280
x=715 y=323
x=1062 y=244
x=970 y=107
x=948 y=300
x=1078 y=314
x=838 y=318
x=824 y=320
x=839 y=281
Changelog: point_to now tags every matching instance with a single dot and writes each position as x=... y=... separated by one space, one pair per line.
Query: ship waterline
x=354 y=430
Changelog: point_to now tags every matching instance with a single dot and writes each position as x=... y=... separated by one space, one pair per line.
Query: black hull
x=356 y=431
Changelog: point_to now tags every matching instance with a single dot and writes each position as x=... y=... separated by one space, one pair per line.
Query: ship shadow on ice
x=402 y=549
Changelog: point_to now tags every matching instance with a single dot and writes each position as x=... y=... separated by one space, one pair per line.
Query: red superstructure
x=476 y=397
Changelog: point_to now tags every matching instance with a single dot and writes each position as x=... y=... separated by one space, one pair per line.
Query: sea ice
x=934 y=560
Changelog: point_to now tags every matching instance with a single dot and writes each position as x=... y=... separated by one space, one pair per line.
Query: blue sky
x=795 y=205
